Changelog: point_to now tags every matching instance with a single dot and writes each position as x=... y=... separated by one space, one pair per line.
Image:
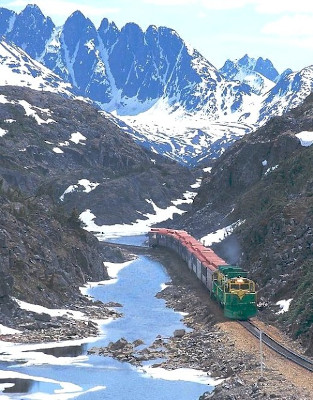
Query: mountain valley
x=120 y=124
x=147 y=77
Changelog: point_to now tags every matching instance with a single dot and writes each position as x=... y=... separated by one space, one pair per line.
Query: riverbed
x=65 y=371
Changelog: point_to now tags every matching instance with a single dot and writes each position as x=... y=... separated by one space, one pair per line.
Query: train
x=227 y=284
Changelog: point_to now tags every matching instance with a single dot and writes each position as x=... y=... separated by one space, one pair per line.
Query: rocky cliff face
x=44 y=254
x=47 y=144
x=264 y=184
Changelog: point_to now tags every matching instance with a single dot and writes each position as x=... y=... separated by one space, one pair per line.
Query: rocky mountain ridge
x=147 y=77
x=259 y=74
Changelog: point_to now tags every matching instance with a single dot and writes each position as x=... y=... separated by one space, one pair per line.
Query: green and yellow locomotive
x=228 y=284
x=235 y=292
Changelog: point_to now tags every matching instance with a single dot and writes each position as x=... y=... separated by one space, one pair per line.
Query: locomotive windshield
x=241 y=284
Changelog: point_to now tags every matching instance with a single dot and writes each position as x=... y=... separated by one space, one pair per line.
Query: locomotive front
x=235 y=292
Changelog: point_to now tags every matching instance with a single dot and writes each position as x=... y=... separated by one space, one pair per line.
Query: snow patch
x=3 y=132
x=284 y=305
x=207 y=169
x=67 y=390
x=271 y=169
x=180 y=374
x=3 y=99
x=57 y=150
x=53 y=312
x=18 y=69
x=88 y=187
x=306 y=138
x=77 y=138
x=220 y=234
x=113 y=270
x=138 y=227
x=164 y=286
x=31 y=112
x=4 y=330
x=63 y=144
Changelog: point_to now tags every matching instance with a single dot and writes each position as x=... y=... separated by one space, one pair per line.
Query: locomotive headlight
x=239 y=280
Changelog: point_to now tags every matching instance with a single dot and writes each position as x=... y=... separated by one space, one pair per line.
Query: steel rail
x=277 y=347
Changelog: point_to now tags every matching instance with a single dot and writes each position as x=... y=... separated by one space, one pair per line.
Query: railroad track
x=277 y=347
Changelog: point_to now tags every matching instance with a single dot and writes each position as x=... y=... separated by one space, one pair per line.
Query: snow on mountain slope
x=160 y=90
x=18 y=68
x=259 y=74
x=288 y=93
x=184 y=138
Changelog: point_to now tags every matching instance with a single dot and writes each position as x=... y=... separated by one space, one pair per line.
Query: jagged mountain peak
x=130 y=27
x=157 y=83
x=32 y=8
x=246 y=60
x=266 y=68
x=283 y=74
x=7 y=18
x=79 y=17
x=260 y=74
x=31 y=30
x=34 y=16
x=106 y=26
x=260 y=65
x=77 y=23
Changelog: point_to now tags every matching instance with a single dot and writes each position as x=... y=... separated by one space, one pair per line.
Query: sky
x=280 y=30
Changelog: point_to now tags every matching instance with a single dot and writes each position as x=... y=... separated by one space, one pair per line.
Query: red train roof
x=206 y=255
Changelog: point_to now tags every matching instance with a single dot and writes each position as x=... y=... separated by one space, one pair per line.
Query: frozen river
x=65 y=371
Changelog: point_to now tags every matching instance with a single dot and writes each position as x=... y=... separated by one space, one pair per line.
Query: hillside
x=49 y=144
x=263 y=185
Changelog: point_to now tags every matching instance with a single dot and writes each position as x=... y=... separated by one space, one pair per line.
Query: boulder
x=179 y=333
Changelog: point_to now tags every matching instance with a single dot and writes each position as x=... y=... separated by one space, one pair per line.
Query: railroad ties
x=277 y=347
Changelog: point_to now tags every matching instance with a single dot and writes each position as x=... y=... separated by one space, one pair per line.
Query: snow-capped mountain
x=259 y=74
x=289 y=92
x=162 y=91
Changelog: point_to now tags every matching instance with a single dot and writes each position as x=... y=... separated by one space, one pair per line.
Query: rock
x=138 y=342
x=6 y=283
x=113 y=304
x=179 y=333
x=95 y=350
x=92 y=324
x=44 y=317
x=255 y=388
x=118 y=345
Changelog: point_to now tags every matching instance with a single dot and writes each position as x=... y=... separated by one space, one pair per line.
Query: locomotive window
x=235 y=286
x=244 y=286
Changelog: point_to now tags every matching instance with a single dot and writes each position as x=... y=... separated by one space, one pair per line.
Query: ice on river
x=64 y=370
